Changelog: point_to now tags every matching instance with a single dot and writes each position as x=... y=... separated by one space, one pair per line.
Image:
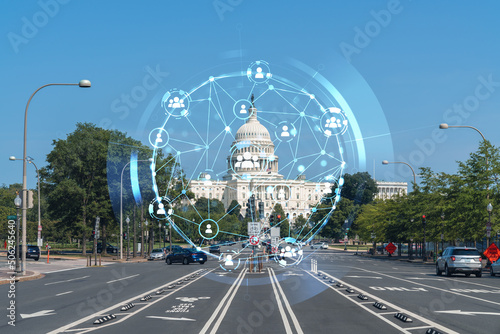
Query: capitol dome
x=252 y=151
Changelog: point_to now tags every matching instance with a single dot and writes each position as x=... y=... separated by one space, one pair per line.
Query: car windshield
x=158 y=250
x=466 y=252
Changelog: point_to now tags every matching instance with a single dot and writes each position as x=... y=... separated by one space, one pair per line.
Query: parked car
x=186 y=256
x=157 y=254
x=32 y=252
x=495 y=268
x=319 y=245
x=110 y=249
x=214 y=249
x=459 y=260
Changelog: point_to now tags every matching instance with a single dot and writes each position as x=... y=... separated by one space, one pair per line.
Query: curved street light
x=83 y=84
x=385 y=162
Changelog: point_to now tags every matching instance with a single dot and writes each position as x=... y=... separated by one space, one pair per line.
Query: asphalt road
x=305 y=298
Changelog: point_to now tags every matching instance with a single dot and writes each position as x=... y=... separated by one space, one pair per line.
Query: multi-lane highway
x=330 y=291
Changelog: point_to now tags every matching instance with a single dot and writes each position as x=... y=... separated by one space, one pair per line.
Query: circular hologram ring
x=285 y=131
x=259 y=72
x=176 y=103
x=158 y=138
x=333 y=122
x=241 y=109
x=208 y=229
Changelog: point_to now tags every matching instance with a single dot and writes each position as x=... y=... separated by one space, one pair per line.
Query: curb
x=35 y=275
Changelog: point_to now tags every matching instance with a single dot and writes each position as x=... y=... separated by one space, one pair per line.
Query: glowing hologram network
x=243 y=134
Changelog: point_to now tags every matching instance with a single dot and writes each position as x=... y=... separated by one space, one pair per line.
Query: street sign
x=254 y=228
x=39 y=227
x=492 y=253
x=373 y=236
x=97 y=220
x=488 y=234
x=391 y=248
x=254 y=240
x=11 y=217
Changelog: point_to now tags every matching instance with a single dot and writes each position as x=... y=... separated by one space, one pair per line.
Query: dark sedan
x=186 y=256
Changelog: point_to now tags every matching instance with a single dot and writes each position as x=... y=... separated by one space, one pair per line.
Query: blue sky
x=424 y=62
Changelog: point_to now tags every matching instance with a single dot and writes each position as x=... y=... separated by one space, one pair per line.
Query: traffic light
x=30 y=199
x=271 y=220
x=279 y=218
x=93 y=234
x=125 y=235
x=261 y=210
x=423 y=219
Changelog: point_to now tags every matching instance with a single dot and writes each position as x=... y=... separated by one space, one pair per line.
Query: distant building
x=387 y=190
x=253 y=167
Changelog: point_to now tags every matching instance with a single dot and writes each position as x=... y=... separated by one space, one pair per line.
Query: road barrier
x=380 y=306
x=146 y=298
x=402 y=317
x=127 y=307
x=104 y=319
x=362 y=297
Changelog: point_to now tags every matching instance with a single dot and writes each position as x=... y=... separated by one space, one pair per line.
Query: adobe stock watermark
x=455 y=115
x=127 y=102
x=223 y=6
x=31 y=26
x=364 y=36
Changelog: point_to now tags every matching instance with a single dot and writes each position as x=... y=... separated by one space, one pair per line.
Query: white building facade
x=387 y=190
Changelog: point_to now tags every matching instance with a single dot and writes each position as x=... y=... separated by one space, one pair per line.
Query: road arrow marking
x=169 y=318
x=37 y=314
x=460 y=312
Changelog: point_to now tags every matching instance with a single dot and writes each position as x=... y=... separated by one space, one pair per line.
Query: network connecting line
x=284 y=132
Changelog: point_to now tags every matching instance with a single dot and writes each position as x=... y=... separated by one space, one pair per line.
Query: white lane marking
x=121 y=279
x=426 y=278
x=221 y=304
x=287 y=304
x=411 y=314
x=63 y=293
x=224 y=311
x=169 y=318
x=37 y=314
x=58 y=271
x=460 y=312
x=420 y=327
x=433 y=287
x=288 y=329
x=107 y=310
x=374 y=277
x=69 y=280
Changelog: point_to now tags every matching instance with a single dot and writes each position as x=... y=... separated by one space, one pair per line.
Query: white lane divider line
x=288 y=329
x=287 y=304
x=69 y=280
x=223 y=301
x=63 y=293
x=224 y=311
x=121 y=279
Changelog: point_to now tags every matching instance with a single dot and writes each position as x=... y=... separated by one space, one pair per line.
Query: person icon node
x=239 y=159
x=161 y=209
x=229 y=260
x=158 y=138
x=259 y=74
x=285 y=132
x=247 y=160
x=256 y=163
x=176 y=103
x=281 y=194
x=243 y=109
x=209 y=229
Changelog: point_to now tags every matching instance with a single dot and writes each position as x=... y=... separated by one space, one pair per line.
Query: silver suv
x=459 y=259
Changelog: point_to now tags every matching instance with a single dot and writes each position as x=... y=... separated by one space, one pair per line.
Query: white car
x=319 y=245
x=157 y=254
x=495 y=268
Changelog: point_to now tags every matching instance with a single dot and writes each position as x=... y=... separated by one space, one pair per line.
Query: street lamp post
x=30 y=160
x=83 y=84
x=410 y=248
x=121 y=206
x=489 y=208
x=385 y=162
x=128 y=237
x=424 y=251
x=442 y=231
x=17 y=203
x=159 y=233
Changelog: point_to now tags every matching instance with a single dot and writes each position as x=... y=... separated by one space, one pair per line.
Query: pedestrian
x=5 y=244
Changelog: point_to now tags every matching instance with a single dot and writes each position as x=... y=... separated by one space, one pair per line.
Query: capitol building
x=252 y=169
